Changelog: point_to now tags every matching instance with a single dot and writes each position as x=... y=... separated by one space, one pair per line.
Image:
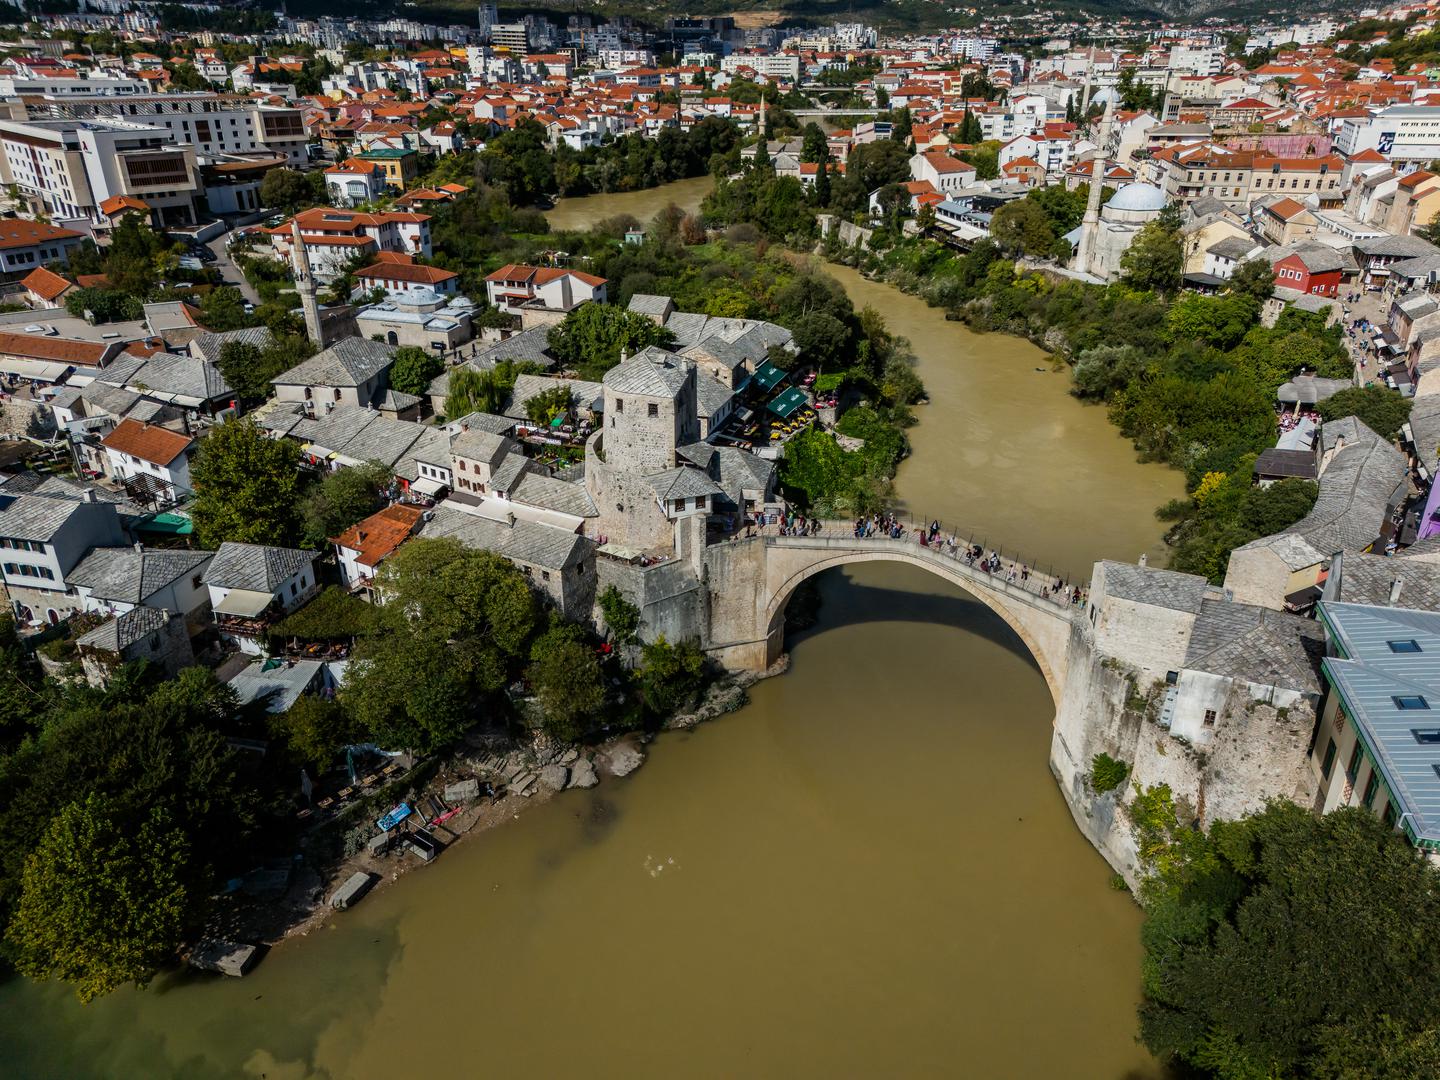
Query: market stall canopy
x=787 y=403
x=426 y=486
x=767 y=377
x=245 y=603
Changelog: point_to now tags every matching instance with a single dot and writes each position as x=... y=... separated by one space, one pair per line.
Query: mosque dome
x=1138 y=197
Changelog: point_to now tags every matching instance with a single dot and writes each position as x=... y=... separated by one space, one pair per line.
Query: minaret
x=305 y=284
x=1090 y=224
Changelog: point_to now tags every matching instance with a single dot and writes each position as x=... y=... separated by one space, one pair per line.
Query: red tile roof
x=381 y=534
x=23 y=233
x=46 y=285
x=157 y=445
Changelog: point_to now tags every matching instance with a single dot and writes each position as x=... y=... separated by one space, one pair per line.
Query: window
x=1329 y=762
x=1389 y=814
x=619 y=404
x=1209 y=717
x=1409 y=701
x=653 y=409
x=1353 y=769
x=1370 y=785
x=1404 y=646
x=195 y=581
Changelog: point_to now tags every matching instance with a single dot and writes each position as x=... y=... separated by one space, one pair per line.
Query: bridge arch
x=1042 y=625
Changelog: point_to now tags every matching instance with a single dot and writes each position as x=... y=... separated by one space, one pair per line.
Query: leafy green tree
x=21 y=686
x=245 y=486
x=1379 y=408
x=340 y=499
x=591 y=338
x=985 y=156
x=224 y=309
x=101 y=905
x=550 y=405
x=105 y=305
x=1022 y=228
x=823 y=340
x=453 y=623
x=413 y=370
x=1221 y=321
x=472 y=390
x=622 y=618
x=1267 y=510
x=567 y=680
x=1283 y=945
x=816 y=146
x=185 y=79
x=316 y=729
x=670 y=675
x=249 y=368
x=1254 y=278
x=1101 y=371
x=1155 y=259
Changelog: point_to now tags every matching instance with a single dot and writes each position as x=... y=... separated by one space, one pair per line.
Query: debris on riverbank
x=517 y=776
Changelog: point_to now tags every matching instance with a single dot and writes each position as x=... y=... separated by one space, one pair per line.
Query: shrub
x=1106 y=773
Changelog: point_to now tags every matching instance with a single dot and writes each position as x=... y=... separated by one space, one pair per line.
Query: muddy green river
x=867 y=871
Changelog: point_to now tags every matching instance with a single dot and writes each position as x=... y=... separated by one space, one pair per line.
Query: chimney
x=139 y=548
x=1395 y=587
x=88 y=495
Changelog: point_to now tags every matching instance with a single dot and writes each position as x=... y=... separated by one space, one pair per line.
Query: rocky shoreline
x=528 y=774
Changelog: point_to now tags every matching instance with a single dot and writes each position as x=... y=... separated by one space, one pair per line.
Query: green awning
x=168 y=524
x=787 y=403
x=767 y=377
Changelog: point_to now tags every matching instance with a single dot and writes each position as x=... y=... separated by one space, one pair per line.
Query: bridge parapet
x=1009 y=574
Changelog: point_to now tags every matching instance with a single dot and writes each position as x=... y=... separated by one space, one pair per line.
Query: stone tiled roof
x=682 y=483
x=480 y=421
x=1367 y=579
x=186 y=379
x=127 y=576
x=255 y=567
x=522 y=541
x=548 y=493
x=1158 y=588
x=530 y=345
x=35 y=517
x=124 y=630
x=481 y=446
x=711 y=395
x=1355 y=489
x=652 y=372
x=208 y=345
x=349 y=362
x=1246 y=641
x=587 y=395
x=504 y=475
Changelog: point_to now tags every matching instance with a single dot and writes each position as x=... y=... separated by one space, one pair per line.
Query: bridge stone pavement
x=750 y=582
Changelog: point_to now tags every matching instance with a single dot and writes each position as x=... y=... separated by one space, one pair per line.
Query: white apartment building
x=16 y=85
x=1402 y=133
x=209 y=123
x=771 y=66
x=68 y=169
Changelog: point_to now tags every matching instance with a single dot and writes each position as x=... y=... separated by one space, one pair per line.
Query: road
x=229 y=271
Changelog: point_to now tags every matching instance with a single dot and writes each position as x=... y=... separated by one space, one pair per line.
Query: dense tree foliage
x=592 y=338
x=1288 y=945
x=332 y=504
x=414 y=369
x=248 y=368
x=1382 y=410
x=453 y=624
x=245 y=486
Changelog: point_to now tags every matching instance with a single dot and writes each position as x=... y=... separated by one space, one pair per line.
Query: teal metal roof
x=384 y=154
x=767 y=377
x=1388 y=677
x=170 y=524
x=787 y=403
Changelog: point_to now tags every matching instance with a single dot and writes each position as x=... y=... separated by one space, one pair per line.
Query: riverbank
x=522 y=775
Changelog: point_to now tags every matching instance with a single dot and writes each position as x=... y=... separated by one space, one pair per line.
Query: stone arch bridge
x=750 y=581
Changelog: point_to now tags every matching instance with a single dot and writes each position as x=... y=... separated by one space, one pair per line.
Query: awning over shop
x=245 y=603
x=786 y=405
x=34 y=369
x=169 y=524
x=767 y=377
x=426 y=486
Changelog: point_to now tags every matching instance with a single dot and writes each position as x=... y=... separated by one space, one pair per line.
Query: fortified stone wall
x=1254 y=752
x=670 y=598
x=629 y=514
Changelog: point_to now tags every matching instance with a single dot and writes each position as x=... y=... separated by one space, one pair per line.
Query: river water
x=866 y=871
